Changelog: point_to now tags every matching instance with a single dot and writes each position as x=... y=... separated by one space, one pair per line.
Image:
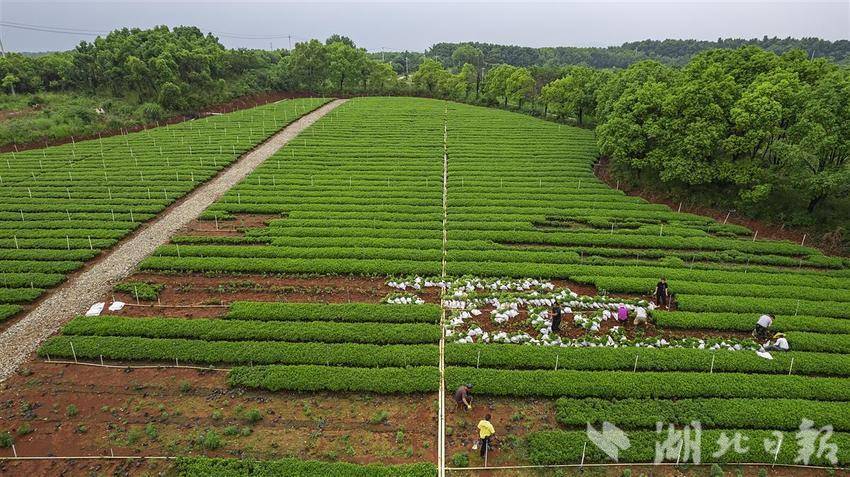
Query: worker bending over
x=463 y=398
x=762 y=329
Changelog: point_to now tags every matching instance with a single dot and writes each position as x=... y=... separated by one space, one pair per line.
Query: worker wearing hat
x=780 y=343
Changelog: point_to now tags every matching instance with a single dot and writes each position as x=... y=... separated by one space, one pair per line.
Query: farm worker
x=779 y=343
x=640 y=315
x=463 y=398
x=556 y=317
x=762 y=329
x=661 y=293
x=622 y=314
x=485 y=432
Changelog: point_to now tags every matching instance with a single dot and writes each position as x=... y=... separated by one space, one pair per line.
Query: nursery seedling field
x=61 y=206
x=399 y=201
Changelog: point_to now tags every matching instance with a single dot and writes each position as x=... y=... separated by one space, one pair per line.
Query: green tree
x=519 y=86
x=467 y=54
x=469 y=75
x=382 y=76
x=429 y=75
x=574 y=93
x=344 y=63
x=495 y=83
x=817 y=163
x=336 y=38
x=308 y=65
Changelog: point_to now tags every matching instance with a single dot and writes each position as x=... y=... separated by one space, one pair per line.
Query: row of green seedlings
x=299 y=348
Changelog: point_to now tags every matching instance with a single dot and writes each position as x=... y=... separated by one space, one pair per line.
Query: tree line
x=764 y=132
x=673 y=52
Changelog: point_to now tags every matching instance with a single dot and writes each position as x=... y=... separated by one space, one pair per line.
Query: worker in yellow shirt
x=485 y=432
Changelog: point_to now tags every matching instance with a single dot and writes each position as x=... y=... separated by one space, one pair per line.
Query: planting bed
x=318 y=289
x=61 y=206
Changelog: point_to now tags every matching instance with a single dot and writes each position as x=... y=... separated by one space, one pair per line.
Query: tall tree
x=467 y=54
x=309 y=64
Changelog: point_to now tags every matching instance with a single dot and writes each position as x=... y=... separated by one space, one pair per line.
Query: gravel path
x=77 y=294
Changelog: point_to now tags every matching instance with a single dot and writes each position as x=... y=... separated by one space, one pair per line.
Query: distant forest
x=672 y=52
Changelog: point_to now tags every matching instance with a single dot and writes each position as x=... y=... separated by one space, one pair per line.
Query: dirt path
x=76 y=295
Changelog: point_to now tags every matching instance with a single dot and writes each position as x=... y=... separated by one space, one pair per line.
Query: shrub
x=209 y=440
x=140 y=290
x=71 y=410
x=150 y=112
x=379 y=417
x=253 y=416
x=460 y=459
x=6 y=440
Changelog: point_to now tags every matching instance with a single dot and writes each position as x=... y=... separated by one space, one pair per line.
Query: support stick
x=73 y=352
x=583 y=451
x=711 y=371
x=776 y=454
x=791 y=367
x=636 y=361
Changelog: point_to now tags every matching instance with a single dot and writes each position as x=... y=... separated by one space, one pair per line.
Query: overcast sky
x=417 y=25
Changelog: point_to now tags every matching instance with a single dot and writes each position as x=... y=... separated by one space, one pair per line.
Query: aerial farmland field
x=323 y=311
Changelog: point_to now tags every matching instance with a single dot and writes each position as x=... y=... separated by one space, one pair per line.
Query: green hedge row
x=292 y=265
x=746 y=322
x=352 y=312
x=732 y=277
x=512 y=356
x=240 y=330
x=803 y=341
x=325 y=378
x=241 y=352
x=647 y=285
x=660 y=385
x=253 y=252
x=19 y=295
x=783 y=414
x=8 y=310
x=603 y=238
x=565 y=447
x=777 y=306
x=209 y=467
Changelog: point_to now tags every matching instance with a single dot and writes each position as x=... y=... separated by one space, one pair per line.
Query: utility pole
x=290 y=41
x=406 y=70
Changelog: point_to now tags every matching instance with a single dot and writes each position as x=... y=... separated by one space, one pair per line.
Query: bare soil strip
x=77 y=294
